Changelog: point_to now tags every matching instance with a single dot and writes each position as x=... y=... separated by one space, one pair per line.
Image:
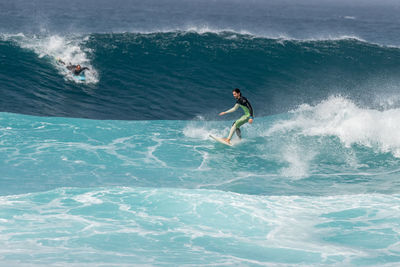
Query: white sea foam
x=196 y=132
x=67 y=49
x=168 y=225
x=88 y=198
x=202 y=129
x=299 y=161
x=207 y=29
x=340 y=117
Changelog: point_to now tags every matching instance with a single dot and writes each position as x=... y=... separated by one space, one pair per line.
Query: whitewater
x=119 y=170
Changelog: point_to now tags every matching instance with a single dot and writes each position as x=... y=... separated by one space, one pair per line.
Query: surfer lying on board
x=75 y=69
x=242 y=102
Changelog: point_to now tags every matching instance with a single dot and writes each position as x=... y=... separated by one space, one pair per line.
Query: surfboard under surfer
x=75 y=69
x=242 y=102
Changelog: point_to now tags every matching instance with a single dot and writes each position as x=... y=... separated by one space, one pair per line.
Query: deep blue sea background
x=119 y=170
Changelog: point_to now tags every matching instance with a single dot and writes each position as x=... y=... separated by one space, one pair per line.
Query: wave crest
x=340 y=117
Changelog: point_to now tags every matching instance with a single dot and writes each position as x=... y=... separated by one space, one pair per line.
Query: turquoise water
x=314 y=186
x=169 y=226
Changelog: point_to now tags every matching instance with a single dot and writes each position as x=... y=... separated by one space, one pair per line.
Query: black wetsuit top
x=244 y=102
x=74 y=71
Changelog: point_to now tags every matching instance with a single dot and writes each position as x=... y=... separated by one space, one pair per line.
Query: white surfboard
x=220 y=140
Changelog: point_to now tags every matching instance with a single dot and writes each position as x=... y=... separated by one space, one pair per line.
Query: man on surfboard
x=75 y=69
x=242 y=102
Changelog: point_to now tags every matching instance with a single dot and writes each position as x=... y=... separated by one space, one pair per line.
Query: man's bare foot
x=227 y=140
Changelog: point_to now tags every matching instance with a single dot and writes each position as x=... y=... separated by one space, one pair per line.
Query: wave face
x=179 y=75
x=316 y=186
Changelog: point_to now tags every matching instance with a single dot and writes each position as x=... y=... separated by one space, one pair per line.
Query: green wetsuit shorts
x=242 y=120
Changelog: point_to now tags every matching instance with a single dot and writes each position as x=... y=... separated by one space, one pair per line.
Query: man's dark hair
x=236 y=90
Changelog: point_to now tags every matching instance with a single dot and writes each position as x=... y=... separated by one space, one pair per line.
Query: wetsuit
x=248 y=114
x=72 y=68
x=74 y=71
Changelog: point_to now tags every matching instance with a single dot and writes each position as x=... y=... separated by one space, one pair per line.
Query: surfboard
x=220 y=140
x=79 y=77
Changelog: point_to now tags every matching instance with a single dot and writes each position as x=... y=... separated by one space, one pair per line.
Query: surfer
x=242 y=102
x=75 y=69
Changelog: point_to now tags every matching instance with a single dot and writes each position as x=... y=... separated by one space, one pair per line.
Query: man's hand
x=222 y=113
x=250 y=121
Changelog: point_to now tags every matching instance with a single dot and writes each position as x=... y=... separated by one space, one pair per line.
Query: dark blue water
x=119 y=169
x=181 y=75
x=370 y=20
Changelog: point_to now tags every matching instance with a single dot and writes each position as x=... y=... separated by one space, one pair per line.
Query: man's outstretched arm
x=235 y=107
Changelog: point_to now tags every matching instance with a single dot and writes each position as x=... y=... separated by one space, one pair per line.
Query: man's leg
x=237 y=130
x=236 y=125
x=233 y=129
x=238 y=133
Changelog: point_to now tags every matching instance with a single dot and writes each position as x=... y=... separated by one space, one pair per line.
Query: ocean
x=119 y=169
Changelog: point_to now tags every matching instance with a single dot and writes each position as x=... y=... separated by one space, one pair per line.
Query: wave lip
x=49 y=42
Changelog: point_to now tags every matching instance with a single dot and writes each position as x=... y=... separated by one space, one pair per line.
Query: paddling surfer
x=75 y=69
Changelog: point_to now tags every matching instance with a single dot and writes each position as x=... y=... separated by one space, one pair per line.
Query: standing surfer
x=242 y=102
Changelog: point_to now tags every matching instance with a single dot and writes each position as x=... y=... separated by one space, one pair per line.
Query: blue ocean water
x=119 y=170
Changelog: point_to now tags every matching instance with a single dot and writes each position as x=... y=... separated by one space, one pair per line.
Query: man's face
x=236 y=95
x=78 y=67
